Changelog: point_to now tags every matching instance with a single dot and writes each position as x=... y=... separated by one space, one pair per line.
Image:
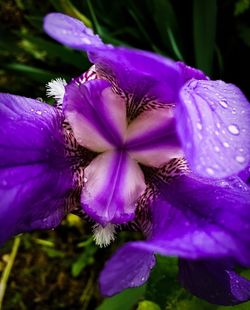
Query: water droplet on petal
x=142 y=278
x=199 y=126
x=226 y=144
x=223 y=103
x=234 y=129
x=240 y=159
x=210 y=171
x=217 y=149
x=85 y=180
x=39 y=112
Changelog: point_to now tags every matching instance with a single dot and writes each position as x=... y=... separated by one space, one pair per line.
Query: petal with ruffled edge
x=96 y=114
x=196 y=218
x=70 y=31
x=143 y=78
x=152 y=138
x=129 y=267
x=213 y=123
x=214 y=281
x=113 y=184
x=34 y=174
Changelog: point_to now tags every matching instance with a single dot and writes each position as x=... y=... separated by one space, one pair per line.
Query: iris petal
x=113 y=183
x=152 y=138
x=70 y=31
x=96 y=115
x=129 y=267
x=213 y=219
x=214 y=281
x=213 y=123
x=144 y=78
x=34 y=174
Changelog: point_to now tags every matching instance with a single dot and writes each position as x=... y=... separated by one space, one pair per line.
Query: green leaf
x=83 y=260
x=241 y=6
x=163 y=286
x=54 y=50
x=123 y=301
x=147 y=305
x=204 y=28
x=166 y=23
x=36 y=74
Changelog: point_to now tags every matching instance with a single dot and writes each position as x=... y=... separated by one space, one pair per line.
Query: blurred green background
x=59 y=269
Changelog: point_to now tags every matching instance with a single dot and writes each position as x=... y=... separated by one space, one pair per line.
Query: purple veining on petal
x=96 y=115
x=34 y=173
x=139 y=73
x=213 y=123
x=214 y=281
x=129 y=267
x=113 y=184
x=71 y=32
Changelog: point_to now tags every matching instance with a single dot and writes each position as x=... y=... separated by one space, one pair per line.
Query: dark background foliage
x=59 y=269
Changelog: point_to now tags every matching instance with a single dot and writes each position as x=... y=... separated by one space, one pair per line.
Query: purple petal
x=129 y=267
x=213 y=123
x=71 y=32
x=245 y=174
x=152 y=138
x=189 y=73
x=214 y=281
x=34 y=174
x=113 y=184
x=144 y=78
x=197 y=218
x=96 y=115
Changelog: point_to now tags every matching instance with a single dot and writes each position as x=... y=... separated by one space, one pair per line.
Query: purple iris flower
x=138 y=141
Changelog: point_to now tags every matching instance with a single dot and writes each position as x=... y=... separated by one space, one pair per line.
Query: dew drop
x=199 y=126
x=210 y=171
x=233 y=129
x=143 y=278
x=217 y=149
x=85 y=180
x=223 y=103
x=39 y=112
x=240 y=159
x=226 y=144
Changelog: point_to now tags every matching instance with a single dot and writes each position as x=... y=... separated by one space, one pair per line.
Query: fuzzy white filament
x=56 y=89
x=104 y=235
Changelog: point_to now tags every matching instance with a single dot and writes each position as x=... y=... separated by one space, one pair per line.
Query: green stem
x=7 y=270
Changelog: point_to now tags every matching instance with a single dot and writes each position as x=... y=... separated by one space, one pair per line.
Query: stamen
x=104 y=235
x=56 y=89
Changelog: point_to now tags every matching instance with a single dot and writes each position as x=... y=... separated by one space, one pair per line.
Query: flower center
x=113 y=179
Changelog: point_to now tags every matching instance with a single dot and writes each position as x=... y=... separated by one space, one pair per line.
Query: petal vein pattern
x=113 y=184
x=96 y=115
